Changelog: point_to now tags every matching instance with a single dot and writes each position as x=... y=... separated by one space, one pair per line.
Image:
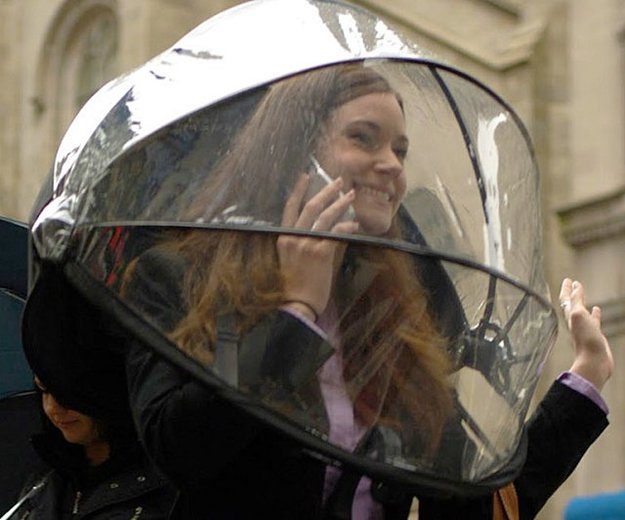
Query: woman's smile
x=377 y=194
x=65 y=424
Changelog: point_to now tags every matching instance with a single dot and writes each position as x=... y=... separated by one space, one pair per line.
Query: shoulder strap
x=506 y=503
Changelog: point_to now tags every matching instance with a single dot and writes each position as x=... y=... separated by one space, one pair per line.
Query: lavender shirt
x=584 y=387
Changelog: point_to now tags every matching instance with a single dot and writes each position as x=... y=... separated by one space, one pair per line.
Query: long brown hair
x=389 y=338
x=274 y=146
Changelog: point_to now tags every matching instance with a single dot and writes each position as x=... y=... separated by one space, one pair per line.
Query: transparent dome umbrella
x=154 y=164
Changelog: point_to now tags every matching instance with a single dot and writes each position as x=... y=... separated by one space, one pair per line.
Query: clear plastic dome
x=437 y=326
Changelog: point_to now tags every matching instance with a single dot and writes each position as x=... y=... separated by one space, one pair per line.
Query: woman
x=96 y=467
x=257 y=274
x=301 y=290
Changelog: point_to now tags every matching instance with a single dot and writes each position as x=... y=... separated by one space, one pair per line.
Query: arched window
x=88 y=61
x=97 y=55
x=80 y=54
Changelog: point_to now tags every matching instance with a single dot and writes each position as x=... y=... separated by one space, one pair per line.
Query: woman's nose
x=389 y=163
x=52 y=405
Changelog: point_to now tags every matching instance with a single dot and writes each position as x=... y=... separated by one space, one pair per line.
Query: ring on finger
x=565 y=304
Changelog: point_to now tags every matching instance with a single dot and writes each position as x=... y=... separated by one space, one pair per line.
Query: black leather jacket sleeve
x=188 y=430
x=560 y=431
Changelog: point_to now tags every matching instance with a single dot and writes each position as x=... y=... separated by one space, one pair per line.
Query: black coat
x=125 y=486
x=230 y=466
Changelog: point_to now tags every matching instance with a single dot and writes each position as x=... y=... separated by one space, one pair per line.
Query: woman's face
x=365 y=142
x=76 y=427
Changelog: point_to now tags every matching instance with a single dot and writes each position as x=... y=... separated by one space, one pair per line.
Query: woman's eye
x=401 y=153
x=363 y=138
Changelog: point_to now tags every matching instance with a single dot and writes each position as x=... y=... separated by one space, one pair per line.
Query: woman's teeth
x=372 y=192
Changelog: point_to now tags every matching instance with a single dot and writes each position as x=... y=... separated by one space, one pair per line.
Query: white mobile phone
x=318 y=180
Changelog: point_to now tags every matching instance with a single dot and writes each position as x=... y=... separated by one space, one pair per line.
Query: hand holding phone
x=319 y=179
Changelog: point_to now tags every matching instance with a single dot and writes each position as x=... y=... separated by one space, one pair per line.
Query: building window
x=79 y=56
x=97 y=58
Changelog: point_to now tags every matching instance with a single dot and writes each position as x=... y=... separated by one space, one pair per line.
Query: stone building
x=559 y=63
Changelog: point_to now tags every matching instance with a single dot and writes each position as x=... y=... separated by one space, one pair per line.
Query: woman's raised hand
x=593 y=356
x=307 y=263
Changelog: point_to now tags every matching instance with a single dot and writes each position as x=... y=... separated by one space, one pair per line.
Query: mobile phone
x=318 y=180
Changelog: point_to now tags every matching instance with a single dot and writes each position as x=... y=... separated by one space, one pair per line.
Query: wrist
x=594 y=372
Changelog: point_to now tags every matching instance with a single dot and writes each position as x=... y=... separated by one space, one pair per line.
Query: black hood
x=69 y=346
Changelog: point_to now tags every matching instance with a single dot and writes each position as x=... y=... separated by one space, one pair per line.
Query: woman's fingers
x=346 y=227
x=573 y=300
x=565 y=289
x=572 y=297
x=577 y=294
x=314 y=213
x=596 y=314
x=565 y=296
x=322 y=212
x=330 y=216
x=292 y=207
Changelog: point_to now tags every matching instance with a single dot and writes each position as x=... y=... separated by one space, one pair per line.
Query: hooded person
x=95 y=466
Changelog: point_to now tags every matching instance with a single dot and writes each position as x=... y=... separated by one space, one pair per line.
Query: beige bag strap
x=506 y=503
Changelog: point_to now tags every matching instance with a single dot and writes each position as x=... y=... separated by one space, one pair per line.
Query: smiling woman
x=364 y=342
x=350 y=118
x=315 y=318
